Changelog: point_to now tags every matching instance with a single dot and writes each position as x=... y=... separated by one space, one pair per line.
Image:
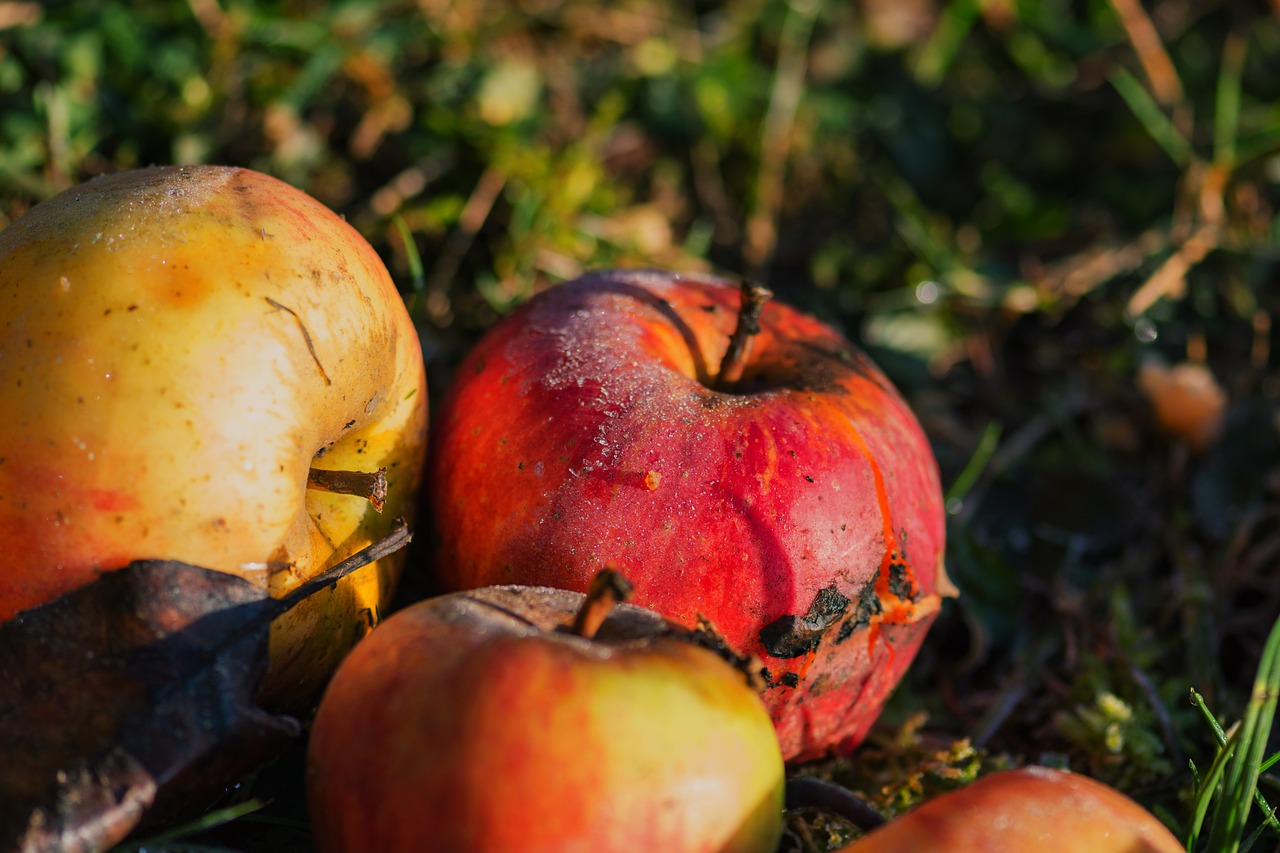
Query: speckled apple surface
x=177 y=347
x=800 y=510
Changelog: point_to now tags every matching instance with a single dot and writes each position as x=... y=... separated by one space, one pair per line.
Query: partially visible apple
x=495 y=721
x=178 y=348
x=785 y=492
x=1017 y=811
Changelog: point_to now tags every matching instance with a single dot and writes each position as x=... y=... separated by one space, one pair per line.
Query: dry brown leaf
x=133 y=698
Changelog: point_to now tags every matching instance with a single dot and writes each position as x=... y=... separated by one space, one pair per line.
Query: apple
x=517 y=719
x=181 y=351
x=1032 y=808
x=783 y=490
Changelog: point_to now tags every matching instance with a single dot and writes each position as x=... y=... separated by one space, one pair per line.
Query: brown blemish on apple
x=793 y=636
x=651 y=480
x=869 y=607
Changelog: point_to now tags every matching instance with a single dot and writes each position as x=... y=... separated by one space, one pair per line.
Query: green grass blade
x=954 y=24
x=1241 y=780
x=977 y=463
x=1148 y=112
x=1221 y=737
x=1204 y=794
x=1218 y=733
x=1269 y=819
x=172 y=839
x=416 y=272
x=1256 y=146
x=1226 y=116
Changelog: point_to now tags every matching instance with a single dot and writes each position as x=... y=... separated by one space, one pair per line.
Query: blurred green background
x=1024 y=210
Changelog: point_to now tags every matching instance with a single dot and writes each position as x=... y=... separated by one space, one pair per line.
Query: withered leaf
x=135 y=695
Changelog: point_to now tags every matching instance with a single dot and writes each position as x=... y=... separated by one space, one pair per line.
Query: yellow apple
x=179 y=347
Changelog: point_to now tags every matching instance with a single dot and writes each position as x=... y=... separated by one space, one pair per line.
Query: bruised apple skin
x=1031 y=808
x=799 y=508
x=479 y=721
x=178 y=346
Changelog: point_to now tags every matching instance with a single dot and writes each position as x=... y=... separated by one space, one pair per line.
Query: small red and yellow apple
x=784 y=491
x=520 y=719
x=1018 y=811
x=180 y=349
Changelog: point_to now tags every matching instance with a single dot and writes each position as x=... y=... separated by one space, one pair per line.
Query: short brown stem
x=398 y=537
x=751 y=306
x=607 y=588
x=370 y=485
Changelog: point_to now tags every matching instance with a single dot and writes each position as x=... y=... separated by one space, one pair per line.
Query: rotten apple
x=183 y=351
x=779 y=486
x=1032 y=808
x=520 y=719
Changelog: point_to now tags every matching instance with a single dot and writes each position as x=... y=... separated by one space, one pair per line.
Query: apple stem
x=397 y=538
x=607 y=588
x=804 y=792
x=751 y=306
x=370 y=485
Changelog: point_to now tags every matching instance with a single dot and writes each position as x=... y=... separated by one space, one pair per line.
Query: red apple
x=479 y=722
x=1030 y=809
x=797 y=506
x=181 y=351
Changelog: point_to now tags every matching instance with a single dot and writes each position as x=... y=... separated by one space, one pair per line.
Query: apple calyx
x=607 y=589
x=370 y=485
x=751 y=306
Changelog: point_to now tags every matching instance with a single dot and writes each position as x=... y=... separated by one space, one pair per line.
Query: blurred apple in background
x=1029 y=809
x=786 y=492
x=520 y=719
x=179 y=348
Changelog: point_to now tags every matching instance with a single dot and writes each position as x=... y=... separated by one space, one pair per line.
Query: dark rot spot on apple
x=901 y=581
x=787 y=679
x=792 y=636
x=869 y=607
